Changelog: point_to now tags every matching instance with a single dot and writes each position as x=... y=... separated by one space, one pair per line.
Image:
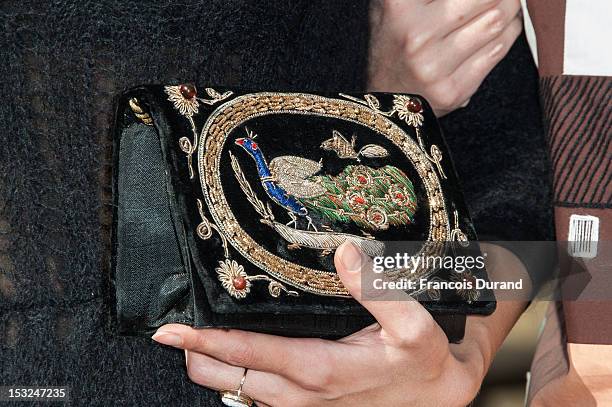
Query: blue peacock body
x=372 y=198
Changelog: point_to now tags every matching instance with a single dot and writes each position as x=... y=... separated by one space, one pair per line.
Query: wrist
x=475 y=356
x=463 y=375
x=478 y=347
x=469 y=362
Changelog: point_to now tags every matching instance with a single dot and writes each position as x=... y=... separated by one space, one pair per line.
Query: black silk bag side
x=230 y=203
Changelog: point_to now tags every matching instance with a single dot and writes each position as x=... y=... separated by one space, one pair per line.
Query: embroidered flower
x=468 y=290
x=184 y=98
x=233 y=278
x=408 y=109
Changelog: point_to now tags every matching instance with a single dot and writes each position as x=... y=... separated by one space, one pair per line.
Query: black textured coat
x=61 y=65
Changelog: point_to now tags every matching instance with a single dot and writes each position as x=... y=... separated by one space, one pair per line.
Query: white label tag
x=583 y=236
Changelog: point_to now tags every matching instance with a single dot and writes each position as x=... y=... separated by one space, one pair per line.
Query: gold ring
x=236 y=398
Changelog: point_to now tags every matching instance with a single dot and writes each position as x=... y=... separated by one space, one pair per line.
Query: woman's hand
x=441 y=49
x=403 y=360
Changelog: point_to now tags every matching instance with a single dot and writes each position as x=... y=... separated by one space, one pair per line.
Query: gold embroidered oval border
x=233 y=113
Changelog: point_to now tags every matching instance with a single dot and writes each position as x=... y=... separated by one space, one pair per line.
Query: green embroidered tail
x=371 y=198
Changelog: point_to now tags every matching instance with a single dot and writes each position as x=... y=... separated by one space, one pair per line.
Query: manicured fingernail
x=351 y=257
x=167 y=338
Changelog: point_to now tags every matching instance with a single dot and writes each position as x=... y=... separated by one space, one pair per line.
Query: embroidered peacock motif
x=371 y=198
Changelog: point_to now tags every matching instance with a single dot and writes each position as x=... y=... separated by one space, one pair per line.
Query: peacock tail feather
x=372 y=198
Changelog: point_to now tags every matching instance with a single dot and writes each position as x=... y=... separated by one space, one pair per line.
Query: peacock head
x=248 y=144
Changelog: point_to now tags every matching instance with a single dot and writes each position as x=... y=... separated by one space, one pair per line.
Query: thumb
x=399 y=317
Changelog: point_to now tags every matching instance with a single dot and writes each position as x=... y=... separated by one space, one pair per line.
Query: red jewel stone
x=399 y=196
x=239 y=283
x=254 y=145
x=414 y=106
x=362 y=179
x=377 y=218
x=359 y=200
x=188 y=91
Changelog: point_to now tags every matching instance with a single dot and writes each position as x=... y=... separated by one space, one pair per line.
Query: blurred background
x=506 y=381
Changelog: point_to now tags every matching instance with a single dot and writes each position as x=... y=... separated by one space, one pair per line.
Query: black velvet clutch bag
x=230 y=205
